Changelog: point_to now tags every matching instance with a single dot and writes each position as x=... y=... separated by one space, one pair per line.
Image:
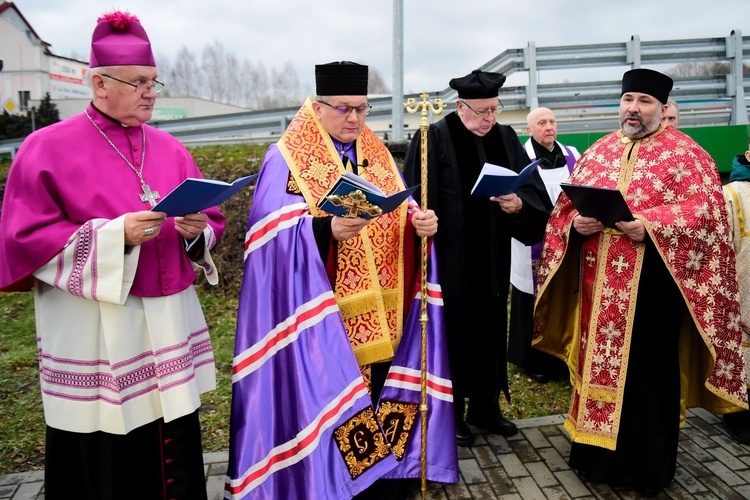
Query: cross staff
x=412 y=106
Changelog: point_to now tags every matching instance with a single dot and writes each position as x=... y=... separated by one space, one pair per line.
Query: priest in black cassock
x=473 y=243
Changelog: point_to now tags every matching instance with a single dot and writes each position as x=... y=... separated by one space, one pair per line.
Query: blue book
x=495 y=180
x=353 y=196
x=194 y=195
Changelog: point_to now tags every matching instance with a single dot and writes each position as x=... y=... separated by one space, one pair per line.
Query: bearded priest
x=646 y=313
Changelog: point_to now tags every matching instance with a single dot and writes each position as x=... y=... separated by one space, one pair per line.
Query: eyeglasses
x=141 y=88
x=345 y=110
x=487 y=112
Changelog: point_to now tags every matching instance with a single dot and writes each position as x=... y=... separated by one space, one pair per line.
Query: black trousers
x=157 y=461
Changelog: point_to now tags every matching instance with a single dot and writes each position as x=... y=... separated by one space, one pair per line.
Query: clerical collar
x=105 y=115
x=554 y=157
x=345 y=149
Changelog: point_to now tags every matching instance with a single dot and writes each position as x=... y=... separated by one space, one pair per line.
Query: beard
x=642 y=128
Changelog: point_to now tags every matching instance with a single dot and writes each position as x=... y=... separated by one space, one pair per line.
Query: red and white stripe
x=411 y=380
x=286 y=332
x=303 y=444
x=434 y=294
x=269 y=226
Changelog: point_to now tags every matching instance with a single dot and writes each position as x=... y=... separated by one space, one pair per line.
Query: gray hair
x=100 y=70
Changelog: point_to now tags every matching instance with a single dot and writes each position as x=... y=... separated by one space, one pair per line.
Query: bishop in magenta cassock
x=124 y=351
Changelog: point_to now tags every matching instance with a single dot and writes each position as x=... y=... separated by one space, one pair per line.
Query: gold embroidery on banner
x=361 y=442
x=397 y=420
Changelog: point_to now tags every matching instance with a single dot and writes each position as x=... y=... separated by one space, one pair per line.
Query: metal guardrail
x=9 y=147
x=580 y=106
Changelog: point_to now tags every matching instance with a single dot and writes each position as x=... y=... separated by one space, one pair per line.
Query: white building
x=30 y=70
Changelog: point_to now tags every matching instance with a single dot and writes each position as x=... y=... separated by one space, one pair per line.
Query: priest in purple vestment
x=124 y=351
x=326 y=373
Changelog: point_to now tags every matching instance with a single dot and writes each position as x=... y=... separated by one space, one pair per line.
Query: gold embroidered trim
x=361 y=442
x=397 y=420
x=291 y=185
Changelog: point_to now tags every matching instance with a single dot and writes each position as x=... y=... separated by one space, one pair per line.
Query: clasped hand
x=343 y=228
x=587 y=226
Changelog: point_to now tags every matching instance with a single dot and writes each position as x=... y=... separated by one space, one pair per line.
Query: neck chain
x=148 y=195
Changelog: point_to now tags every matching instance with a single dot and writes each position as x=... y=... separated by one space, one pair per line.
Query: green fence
x=722 y=142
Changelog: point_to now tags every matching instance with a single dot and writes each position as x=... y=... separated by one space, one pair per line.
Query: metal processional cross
x=424 y=126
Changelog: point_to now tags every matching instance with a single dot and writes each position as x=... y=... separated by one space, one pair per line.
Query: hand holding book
x=495 y=180
x=605 y=205
x=194 y=195
x=353 y=196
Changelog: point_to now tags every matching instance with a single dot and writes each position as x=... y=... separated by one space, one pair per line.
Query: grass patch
x=22 y=429
x=21 y=416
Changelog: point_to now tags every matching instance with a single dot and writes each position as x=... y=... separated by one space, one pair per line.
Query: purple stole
x=536 y=248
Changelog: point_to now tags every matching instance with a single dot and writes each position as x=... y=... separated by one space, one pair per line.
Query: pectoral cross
x=355 y=203
x=148 y=195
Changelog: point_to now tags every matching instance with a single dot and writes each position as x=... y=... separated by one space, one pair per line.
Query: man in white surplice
x=557 y=163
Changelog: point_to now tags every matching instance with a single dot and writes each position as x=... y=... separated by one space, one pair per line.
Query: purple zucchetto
x=647 y=81
x=120 y=40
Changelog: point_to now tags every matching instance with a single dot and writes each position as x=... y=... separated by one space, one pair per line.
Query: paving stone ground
x=532 y=465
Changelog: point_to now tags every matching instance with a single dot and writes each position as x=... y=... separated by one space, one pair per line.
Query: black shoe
x=648 y=492
x=495 y=423
x=464 y=436
x=540 y=378
x=738 y=425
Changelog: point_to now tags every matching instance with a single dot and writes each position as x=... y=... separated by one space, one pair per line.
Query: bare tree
x=233 y=80
x=256 y=86
x=185 y=78
x=222 y=77
x=213 y=63
x=376 y=84
x=285 y=88
x=704 y=69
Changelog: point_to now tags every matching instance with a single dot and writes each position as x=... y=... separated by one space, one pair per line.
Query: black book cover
x=603 y=204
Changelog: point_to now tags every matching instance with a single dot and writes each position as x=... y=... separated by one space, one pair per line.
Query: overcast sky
x=442 y=38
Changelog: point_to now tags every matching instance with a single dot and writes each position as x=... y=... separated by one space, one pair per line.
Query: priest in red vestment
x=645 y=313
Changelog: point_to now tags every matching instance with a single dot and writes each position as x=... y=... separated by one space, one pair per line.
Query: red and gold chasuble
x=370 y=267
x=672 y=186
